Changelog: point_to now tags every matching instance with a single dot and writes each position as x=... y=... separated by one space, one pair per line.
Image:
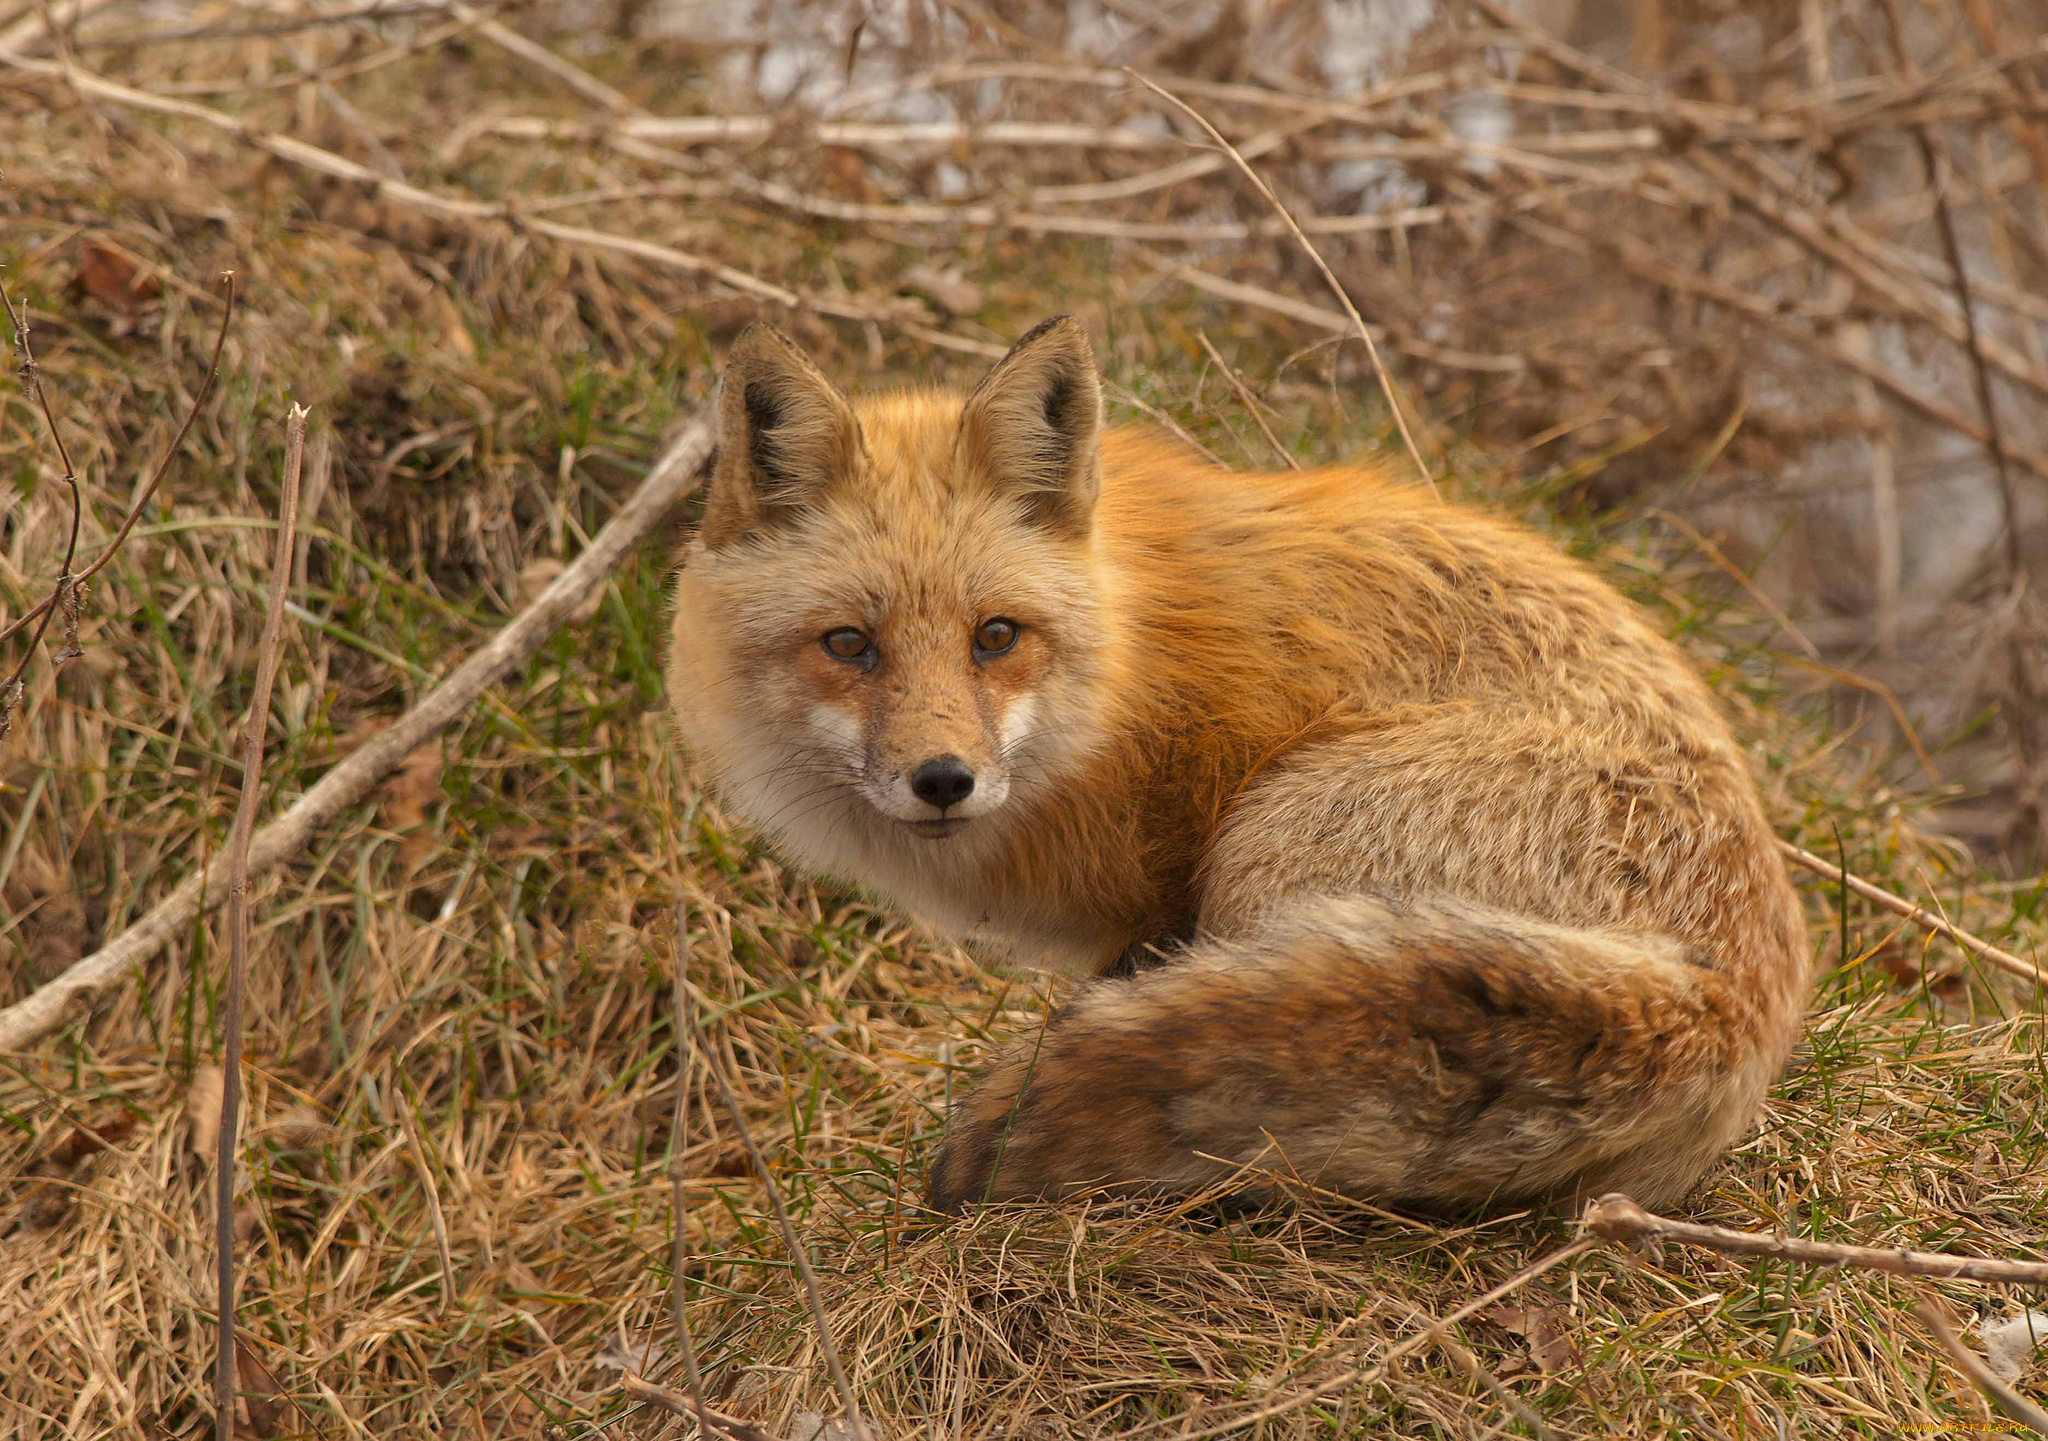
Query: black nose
x=943 y=782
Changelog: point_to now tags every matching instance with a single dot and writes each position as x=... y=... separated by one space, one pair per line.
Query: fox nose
x=943 y=782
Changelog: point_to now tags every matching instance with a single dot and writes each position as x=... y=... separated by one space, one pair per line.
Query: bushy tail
x=1434 y=1055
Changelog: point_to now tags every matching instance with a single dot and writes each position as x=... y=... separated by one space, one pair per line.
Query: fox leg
x=1433 y=1054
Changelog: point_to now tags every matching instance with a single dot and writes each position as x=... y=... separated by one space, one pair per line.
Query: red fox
x=1416 y=865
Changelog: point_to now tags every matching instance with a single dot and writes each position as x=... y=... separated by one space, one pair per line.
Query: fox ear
x=1034 y=425
x=785 y=435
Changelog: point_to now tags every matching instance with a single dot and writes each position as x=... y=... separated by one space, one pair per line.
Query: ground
x=462 y=1039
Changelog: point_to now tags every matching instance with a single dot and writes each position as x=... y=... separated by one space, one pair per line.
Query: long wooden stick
x=1615 y=1217
x=122 y=958
x=253 y=731
x=1919 y=915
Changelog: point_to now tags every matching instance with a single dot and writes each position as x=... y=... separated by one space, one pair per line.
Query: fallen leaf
x=415 y=785
x=113 y=278
x=455 y=334
x=202 y=1111
x=83 y=1141
x=1544 y=1330
x=262 y=1398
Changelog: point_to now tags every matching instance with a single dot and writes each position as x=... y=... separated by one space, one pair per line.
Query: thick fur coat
x=1415 y=863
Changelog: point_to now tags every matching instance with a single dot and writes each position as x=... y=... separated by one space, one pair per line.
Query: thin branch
x=540 y=57
x=794 y=1243
x=1614 y=1217
x=220 y=340
x=2000 y=1393
x=253 y=730
x=685 y=1021
x=66 y=596
x=715 y=1423
x=120 y=960
x=1244 y=398
x=1919 y=916
x=1343 y=296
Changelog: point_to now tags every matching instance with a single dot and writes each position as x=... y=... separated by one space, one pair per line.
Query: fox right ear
x=1034 y=426
x=785 y=435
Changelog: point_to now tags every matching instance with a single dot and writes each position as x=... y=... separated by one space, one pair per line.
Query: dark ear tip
x=1066 y=327
x=758 y=336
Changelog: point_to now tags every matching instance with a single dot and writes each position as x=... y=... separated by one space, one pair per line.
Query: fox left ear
x=785 y=436
x=1034 y=425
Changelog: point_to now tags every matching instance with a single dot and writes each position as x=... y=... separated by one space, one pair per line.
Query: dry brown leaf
x=403 y=800
x=83 y=1141
x=455 y=334
x=1905 y=966
x=113 y=278
x=202 y=1110
x=1544 y=1330
x=263 y=1400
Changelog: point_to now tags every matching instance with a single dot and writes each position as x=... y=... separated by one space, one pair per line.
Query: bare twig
x=42 y=19
x=66 y=595
x=541 y=58
x=2000 y=1393
x=1245 y=398
x=1614 y=1217
x=1919 y=916
x=677 y=1135
x=253 y=730
x=119 y=960
x=220 y=338
x=791 y=1240
x=1343 y=296
x=715 y=1423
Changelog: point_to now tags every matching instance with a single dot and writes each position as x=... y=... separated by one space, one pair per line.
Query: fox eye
x=995 y=636
x=849 y=645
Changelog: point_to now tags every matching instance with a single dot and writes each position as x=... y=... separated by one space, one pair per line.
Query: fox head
x=891 y=618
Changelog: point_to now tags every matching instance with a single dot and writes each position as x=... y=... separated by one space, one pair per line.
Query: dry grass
x=460 y=1026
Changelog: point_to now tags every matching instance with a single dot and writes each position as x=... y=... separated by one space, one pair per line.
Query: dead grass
x=459 y=1000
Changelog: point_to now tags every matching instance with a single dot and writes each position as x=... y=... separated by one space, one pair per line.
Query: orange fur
x=1463 y=890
